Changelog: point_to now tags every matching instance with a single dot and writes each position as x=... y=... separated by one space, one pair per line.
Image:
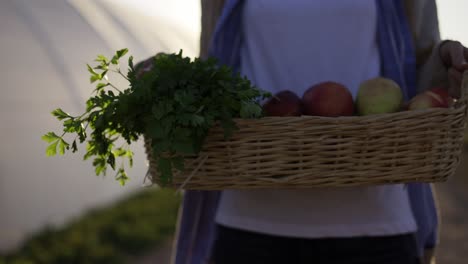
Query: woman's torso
x=291 y=45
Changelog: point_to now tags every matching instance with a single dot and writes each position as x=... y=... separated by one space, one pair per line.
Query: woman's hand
x=455 y=56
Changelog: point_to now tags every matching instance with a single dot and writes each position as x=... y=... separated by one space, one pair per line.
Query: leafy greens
x=174 y=103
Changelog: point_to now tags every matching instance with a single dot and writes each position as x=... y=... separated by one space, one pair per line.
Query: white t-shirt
x=291 y=45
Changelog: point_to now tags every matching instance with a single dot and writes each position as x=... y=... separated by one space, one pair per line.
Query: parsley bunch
x=174 y=103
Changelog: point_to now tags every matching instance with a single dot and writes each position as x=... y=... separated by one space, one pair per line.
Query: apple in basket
x=284 y=103
x=328 y=99
x=378 y=96
x=442 y=94
x=435 y=97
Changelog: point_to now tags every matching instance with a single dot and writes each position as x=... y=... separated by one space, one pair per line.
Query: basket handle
x=463 y=101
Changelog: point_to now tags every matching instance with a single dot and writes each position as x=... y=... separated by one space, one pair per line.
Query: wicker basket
x=307 y=151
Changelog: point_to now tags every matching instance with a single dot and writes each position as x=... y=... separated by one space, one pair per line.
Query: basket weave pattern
x=309 y=151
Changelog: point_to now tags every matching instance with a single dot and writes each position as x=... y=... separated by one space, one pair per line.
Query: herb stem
x=121 y=74
x=113 y=86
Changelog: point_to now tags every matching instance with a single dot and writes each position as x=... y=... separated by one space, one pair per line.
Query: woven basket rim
x=404 y=113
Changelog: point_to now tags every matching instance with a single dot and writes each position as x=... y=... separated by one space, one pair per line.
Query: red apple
x=284 y=103
x=422 y=101
x=328 y=99
x=436 y=97
x=441 y=95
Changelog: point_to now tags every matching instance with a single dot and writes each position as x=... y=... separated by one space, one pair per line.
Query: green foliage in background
x=111 y=235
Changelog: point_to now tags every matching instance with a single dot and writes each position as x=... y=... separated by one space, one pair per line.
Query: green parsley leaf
x=174 y=104
x=52 y=149
x=50 y=137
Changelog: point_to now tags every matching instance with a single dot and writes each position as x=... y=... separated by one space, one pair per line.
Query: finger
x=466 y=55
x=455 y=78
x=144 y=67
x=457 y=56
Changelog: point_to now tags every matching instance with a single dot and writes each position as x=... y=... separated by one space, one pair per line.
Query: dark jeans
x=234 y=246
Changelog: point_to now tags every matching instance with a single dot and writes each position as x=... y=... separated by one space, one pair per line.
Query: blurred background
x=55 y=209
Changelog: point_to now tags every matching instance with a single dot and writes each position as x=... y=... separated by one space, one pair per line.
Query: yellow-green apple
x=378 y=96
